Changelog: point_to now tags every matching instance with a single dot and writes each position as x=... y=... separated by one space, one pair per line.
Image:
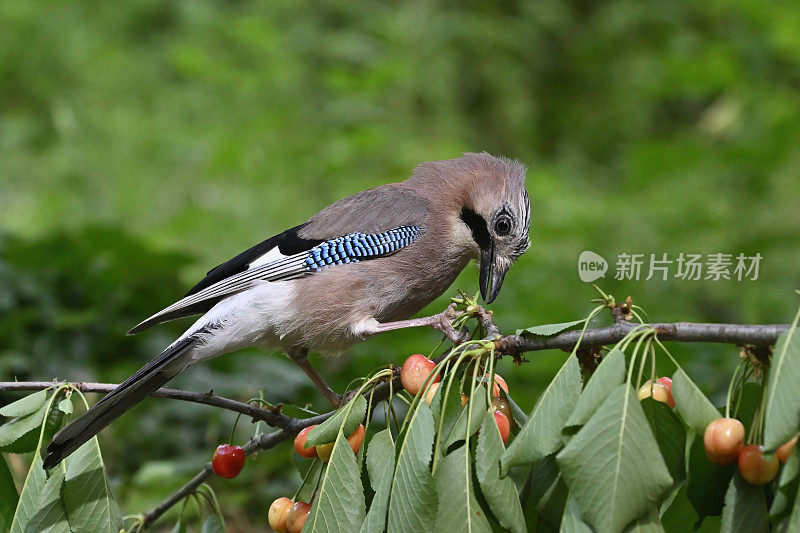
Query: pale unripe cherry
x=667 y=382
x=723 y=440
x=785 y=450
x=355 y=440
x=297 y=516
x=324 y=451
x=658 y=391
x=415 y=372
x=431 y=393
x=278 y=512
x=754 y=467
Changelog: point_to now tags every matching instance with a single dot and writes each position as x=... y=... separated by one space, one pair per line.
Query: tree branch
x=740 y=334
x=272 y=417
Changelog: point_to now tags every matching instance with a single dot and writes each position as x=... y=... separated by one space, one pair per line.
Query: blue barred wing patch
x=355 y=247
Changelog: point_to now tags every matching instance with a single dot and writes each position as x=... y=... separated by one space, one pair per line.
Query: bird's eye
x=502 y=226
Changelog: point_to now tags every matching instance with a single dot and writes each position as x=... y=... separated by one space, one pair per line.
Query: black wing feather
x=289 y=243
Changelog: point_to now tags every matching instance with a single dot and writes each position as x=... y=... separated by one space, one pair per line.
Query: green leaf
x=573 y=521
x=213 y=524
x=351 y=418
x=782 y=404
x=30 y=440
x=472 y=414
x=48 y=510
x=453 y=408
x=519 y=415
x=746 y=400
x=380 y=464
x=546 y=330
x=691 y=404
x=794 y=520
x=500 y=494
x=340 y=500
x=25 y=406
x=609 y=374
x=412 y=503
x=670 y=435
x=707 y=482
x=458 y=508
x=545 y=491
x=65 y=406
x=8 y=496
x=541 y=435
x=679 y=515
x=28 y=498
x=612 y=466
x=24 y=444
x=788 y=485
x=16 y=428
x=649 y=523
x=87 y=497
x=745 y=508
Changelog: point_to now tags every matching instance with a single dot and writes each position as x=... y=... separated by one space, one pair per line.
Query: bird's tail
x=145 y=381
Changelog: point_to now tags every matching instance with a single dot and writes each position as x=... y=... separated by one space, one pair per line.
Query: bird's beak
x=491 y=275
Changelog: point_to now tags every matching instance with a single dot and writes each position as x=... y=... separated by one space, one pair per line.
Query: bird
x=364 y=265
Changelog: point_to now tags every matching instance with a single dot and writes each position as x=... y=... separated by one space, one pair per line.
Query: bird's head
x=497 y=213
x=488 y=205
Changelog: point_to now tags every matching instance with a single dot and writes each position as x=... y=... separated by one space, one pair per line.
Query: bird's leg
x=441 y=321
x=300 y=357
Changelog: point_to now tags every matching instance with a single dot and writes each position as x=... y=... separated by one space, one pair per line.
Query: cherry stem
x=305 y=478
x=731 y=387
x=316 y=488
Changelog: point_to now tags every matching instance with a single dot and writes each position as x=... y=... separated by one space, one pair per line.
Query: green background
x=143 y=143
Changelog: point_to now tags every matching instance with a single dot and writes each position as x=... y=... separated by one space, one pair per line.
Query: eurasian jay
x=359 y=267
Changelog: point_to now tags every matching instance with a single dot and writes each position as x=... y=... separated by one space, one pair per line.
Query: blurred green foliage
x=141 y=144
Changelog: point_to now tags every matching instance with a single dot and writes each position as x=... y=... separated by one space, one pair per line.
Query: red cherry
x=667 y=382
x=300 y=444
x=503 y=425
x=659 y=392
x=503 y=406
x=499 y=383
x=228 y=461
x=754 y=467
x=357 y=438
x=277 y=514
x=297 y=516
x=785 y=450
x=723 y=440
x=415 y=371
x=431 y=393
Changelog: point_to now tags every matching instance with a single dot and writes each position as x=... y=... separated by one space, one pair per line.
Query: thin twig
x=264 y=441
x=272 y=417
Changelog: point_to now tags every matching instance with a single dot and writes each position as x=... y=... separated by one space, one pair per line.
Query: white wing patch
x=275 y=266
x=273 y=255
